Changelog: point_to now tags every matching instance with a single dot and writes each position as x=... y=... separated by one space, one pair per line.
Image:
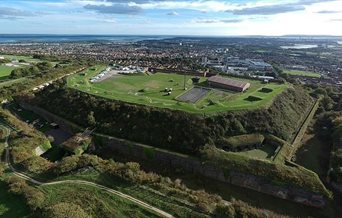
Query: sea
x=32 y=38
x=299 y=46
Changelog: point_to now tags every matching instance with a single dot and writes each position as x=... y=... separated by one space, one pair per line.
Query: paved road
x=80 y=182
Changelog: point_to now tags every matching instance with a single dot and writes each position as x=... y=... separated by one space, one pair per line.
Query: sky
x=165 y=17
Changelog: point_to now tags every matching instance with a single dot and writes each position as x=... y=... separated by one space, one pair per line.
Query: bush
x=65 y=210
x=2 y=169
x=34 y=198
x=224 y=211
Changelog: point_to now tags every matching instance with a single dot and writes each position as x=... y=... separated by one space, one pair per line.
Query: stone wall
x=190 y=164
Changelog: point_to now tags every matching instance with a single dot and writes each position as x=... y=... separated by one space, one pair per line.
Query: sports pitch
x=302 y=73
x=149 y=90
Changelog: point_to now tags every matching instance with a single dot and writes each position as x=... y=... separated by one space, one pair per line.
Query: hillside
x=175 y=130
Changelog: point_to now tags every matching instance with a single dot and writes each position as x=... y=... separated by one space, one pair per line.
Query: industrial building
x=228 y=84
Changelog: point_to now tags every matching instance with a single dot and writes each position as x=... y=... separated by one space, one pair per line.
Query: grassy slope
x=94 y=201
x=302 y=73
x=126 y=88
x=11 y=82
x=12 y=205
x=266 y=152
x=176 y=206
x=5 y=71
x=312 y=155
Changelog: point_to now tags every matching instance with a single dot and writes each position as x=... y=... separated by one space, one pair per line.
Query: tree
x=34 y=198
x=65 y=210
x=2 y=169
x=67 y=164
x=224 y=211
x=91 y=119
x=44 y=65
x=327 y=103
x=16 y=185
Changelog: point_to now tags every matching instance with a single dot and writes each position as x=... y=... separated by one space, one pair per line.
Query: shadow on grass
x=12 y=205
x=252 y=98
x=4 y=78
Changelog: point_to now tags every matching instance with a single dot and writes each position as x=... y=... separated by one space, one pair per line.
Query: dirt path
x=81 y=182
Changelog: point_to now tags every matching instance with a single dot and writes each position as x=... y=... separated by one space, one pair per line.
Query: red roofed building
x=229 y=84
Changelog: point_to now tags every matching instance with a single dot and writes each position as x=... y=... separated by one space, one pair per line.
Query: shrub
x=34 y=198
x=2 y=169
x=65 y=210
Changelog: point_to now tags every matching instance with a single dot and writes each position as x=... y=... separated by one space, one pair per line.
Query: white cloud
x=173 y=13
x=193 y=5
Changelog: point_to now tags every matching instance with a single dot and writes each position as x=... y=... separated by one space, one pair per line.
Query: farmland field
x=302 y=73
x=149 y=90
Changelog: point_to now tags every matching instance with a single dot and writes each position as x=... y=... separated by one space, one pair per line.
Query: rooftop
x=228 y=82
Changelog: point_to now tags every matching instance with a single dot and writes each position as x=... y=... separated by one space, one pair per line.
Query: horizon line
x=171 y=35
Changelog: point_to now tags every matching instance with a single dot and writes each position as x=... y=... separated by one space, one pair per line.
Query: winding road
x=79 y=182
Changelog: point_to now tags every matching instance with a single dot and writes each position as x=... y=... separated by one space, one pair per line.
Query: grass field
x=302 y=73
x=5 y=71
x=20 y=57
x=266 y=152
x=179 y=207
x=149 y=90
x=95 y=202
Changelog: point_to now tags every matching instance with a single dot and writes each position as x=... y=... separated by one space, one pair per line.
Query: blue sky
x=165 y=17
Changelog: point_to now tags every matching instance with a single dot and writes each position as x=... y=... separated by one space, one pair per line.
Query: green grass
x=241 y=141
x=313 y=154
x=26 y=58
x=12 y=205
x=46 y=146
x=148 y=90
x=302 y=73
x=5 y=71
x=178 y=207
x=265 y=152
x=94 y=201
x=11 y=82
